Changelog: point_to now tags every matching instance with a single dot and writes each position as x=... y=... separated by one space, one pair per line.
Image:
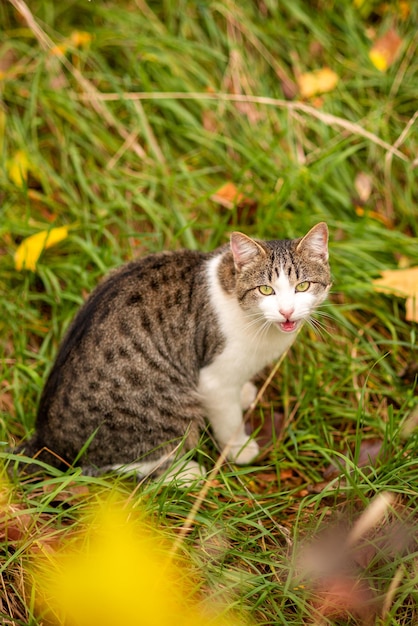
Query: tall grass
x=136 y=174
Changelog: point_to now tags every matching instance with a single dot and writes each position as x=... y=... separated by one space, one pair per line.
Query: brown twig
x=327 y=118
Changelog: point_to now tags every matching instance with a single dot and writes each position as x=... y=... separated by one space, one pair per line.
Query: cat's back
x=148 y=296
x=145 y=317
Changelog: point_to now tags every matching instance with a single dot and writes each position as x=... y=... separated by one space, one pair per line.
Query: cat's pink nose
x=287 y=313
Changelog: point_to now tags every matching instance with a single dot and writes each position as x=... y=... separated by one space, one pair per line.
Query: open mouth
x=287 y=326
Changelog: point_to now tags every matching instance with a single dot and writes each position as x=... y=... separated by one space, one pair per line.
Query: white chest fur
x=250 y=343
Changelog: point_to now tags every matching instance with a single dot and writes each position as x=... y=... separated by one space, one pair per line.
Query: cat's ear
x=315 y=242
x=245 y=250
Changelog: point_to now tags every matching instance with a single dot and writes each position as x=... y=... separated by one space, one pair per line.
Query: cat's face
x=282 y=282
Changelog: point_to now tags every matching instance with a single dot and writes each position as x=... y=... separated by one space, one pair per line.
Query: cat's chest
x=249 y=345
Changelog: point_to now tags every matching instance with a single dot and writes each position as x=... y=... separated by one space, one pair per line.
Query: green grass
x=135 y=176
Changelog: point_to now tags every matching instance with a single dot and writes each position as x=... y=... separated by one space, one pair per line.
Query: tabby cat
x=170 y=340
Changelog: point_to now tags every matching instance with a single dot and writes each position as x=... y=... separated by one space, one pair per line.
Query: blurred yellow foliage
x=317 y=82
x=31 y=248
x=18 y=167
x=120 y=572
x=81 y=38
x=77 y=39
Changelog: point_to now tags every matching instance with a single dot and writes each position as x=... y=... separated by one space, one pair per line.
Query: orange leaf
x=404 y=283
x=31 y=248
x=385 y=50
x=319 y=81
x=228 y=196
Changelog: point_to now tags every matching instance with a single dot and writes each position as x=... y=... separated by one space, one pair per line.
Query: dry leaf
x=370 y=453
x=317 y=82
x=267 y=430
x=385 y=50
x=404 y=10
x=31 y=248
x=363 y=185
x=228 y=196
x=403 y=283
x=18 y=168
x=374 y=215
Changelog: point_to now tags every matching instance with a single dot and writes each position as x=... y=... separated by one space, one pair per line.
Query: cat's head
x=282 y=281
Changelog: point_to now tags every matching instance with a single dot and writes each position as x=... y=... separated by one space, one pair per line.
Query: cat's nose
x=287 y=313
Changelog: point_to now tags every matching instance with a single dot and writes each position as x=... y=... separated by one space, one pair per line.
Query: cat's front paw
x=244 y=452
x=248 y=395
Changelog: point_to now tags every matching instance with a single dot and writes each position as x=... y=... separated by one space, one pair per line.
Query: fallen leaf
x=59 y=49
x=71 y=493
x=363 y=185
x=228 y=195
x=81 y=38
x=77 y=39
x=317 y=82
x=403 y=283
x=404 y=10
x=31 y=248
x=369 y=454
x=18 y=168
x=385 y=50
x=361 y=212
x=267 y=430
x=210 y=121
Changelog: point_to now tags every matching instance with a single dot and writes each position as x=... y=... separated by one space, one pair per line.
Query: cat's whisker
x=320 y=329
x=261 y=332
x=326 y=314
x=257 y=318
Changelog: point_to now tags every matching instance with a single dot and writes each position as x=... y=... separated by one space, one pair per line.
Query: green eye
x=303 y=286
x=266 y=290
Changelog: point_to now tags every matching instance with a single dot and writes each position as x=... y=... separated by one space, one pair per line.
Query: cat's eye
x=266 y=290
x=304 y=286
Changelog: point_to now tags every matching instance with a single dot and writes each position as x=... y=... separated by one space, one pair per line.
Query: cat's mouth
x=288 y=326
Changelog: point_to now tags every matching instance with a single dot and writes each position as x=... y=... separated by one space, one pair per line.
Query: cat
x=169 y=341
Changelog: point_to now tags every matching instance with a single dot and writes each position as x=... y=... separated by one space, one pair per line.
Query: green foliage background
x=132 y=176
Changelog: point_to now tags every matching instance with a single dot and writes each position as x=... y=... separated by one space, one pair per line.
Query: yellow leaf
x=404 y=10
x=317 y=82
x=385 y=50
x=80 y=38
x=18 y=168
x=31 y=248
x=120 y=572
x=404 y=283
x=379 y=60
x=59 y=49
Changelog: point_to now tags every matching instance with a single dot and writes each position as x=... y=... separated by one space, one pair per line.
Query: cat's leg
x=248 y=395
x=229 y=430
x=224 y=412
x=181 y=472
x=185 y=475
